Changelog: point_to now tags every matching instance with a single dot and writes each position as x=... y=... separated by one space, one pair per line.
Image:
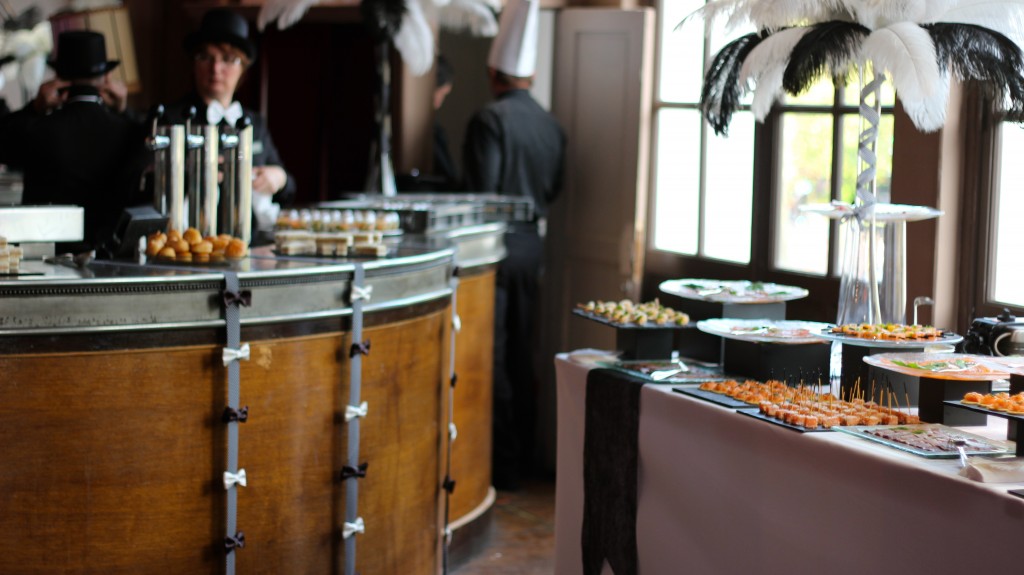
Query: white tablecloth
x=720 y=492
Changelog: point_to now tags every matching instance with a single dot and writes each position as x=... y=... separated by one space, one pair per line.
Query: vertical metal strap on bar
x=449 y=483
x=232 y=319
x=358 y=296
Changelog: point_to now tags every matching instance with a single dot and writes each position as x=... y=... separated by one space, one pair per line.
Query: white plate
x=947 y=338
x=725 y=291
x=764 y=330
x=883 y=212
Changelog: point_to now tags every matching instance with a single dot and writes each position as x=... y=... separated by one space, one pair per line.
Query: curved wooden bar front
x=113 y=448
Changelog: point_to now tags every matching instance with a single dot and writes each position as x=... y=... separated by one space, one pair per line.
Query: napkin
x=995 y=470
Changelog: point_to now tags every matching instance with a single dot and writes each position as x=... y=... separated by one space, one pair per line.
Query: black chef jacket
x=83 y=153
x=516 y=148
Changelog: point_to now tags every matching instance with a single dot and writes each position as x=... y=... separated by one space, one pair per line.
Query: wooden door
x=602 y=96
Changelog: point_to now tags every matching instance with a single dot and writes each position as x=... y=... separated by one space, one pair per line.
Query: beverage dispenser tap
x=235 y=213
x=203 y=164
x=168 y=144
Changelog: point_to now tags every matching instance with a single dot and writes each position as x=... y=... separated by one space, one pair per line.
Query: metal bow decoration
x=231 y=479
x=359 y=349
x=241 y=415
x=236 y=542
x=231 y=354
x=240 y=298
x=350 y=529
x=352 y=411
x=364 y=293
x=348 y=472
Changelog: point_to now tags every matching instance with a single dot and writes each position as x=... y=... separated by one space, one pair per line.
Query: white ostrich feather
x=415 y=40
x=766 y=64
x=468 y=15
x=907 y=53
x=285 y=12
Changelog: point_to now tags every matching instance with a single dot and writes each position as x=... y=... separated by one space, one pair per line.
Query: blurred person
x=515 y=148
x=221 y=52
x=444 y=164
x=74 y=143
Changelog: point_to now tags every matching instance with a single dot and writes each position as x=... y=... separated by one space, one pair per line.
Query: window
x=703 y=186
x=1005 y=263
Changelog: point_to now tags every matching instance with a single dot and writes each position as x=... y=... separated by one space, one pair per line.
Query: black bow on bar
x=241 y=298
x=241 y=415
x=456 y=270
x=348 y=472
x=455 y=378
x=363 y=348
x=448 y=485
x=236 y=542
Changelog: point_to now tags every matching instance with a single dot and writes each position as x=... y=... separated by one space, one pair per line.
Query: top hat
x=82 y=54
x=222 y=26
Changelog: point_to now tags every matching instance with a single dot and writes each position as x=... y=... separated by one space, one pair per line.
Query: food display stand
x=719 y=492
x=114 y=410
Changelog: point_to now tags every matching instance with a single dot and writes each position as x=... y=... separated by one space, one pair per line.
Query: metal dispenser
x=202 y=160
x=168 y=146
x=235 y=208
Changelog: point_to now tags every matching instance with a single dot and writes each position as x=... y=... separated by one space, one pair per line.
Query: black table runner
x=610 y=457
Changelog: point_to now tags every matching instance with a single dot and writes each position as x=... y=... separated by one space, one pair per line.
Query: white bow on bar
x=361 y=293
x=231 y=479
x=352 y=412
x=230 y=354
x=350 y=529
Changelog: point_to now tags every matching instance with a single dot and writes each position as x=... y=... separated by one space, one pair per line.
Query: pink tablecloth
x=720 y=492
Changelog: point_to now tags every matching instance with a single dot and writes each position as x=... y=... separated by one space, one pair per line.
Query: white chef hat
x=514 y=50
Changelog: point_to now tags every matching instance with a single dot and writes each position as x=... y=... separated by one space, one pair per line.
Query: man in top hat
x=72 y=142
x=516 y=148
x=221 y=53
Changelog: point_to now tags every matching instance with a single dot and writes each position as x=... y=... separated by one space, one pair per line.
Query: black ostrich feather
x=986 y=57
x=382 y=17
x=828 y=46
x=721 y=93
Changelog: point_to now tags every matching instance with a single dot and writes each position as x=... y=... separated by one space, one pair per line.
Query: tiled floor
x=523 y=534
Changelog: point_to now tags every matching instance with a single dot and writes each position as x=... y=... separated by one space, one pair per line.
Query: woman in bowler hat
x=221 y=52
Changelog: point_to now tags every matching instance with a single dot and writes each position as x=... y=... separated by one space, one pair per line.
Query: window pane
x=1007 y=266
x=883 y=153
x=677 y=181
x=682 y=64
x=728 y=200
x=801 y=240
x=820 y=94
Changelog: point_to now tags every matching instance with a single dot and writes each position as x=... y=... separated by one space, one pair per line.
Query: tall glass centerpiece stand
x=873 y=287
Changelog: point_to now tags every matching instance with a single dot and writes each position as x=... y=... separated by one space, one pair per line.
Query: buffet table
x=720 y=492
x=114 y=397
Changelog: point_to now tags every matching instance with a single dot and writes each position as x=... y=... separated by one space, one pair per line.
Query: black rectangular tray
x=756 y=414
x=986 y=411
x=649 y=327
x=713 y=397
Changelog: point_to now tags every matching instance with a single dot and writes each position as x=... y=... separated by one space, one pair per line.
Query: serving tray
x=995 y=447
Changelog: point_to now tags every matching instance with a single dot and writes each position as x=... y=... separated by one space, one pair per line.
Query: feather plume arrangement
x=383 y=18
x=913 y=42
x=407 y=22
x=284 y=12
x=986 y=57
x=829 y=47
x=415 y=39
x=722 y=90
x=766 y=64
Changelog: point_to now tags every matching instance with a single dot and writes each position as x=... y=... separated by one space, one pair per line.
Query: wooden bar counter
x=112 y=389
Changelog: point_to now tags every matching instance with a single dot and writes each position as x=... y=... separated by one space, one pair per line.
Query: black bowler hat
x=82 y=54
x=222 y=26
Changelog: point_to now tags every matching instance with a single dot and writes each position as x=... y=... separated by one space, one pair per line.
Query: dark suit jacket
x=516 y=148
x=82 y=154
x=264 y=151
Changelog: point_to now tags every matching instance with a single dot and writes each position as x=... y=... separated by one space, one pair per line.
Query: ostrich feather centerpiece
x=919 y=45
